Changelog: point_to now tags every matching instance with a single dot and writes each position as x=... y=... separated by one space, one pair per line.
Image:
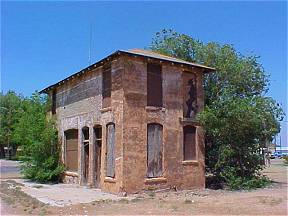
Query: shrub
x=236 y=182
x=38 y=135
x=239 y=118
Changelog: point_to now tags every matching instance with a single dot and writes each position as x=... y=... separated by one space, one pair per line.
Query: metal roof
x=135 y=52
x=147 y=53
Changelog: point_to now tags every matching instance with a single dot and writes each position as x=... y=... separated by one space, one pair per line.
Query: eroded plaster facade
x=79 y=105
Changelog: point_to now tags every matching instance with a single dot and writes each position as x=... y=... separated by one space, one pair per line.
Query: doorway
x=85 y=132
x=97 y=152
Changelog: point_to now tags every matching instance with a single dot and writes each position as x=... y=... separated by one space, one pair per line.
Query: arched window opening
x=85 y=133
x=97 y=151
x=189 y=143
x=71 y=147
x=154 y=150
x=110 y=150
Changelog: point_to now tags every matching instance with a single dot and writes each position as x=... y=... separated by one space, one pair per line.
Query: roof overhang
x=131 y=53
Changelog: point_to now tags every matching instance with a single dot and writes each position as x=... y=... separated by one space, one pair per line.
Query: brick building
x=127 y=122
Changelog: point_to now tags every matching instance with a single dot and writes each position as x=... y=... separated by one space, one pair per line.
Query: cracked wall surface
x=79 y=104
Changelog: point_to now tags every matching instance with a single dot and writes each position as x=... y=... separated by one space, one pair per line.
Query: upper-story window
x=154 y=85
x=106 y=86
x=53 y=108
x=190 y=95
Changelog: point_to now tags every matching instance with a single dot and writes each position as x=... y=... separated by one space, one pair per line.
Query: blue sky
x=43 y=42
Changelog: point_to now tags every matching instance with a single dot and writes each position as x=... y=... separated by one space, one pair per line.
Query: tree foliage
x=10 y=106
x=38 y=137
x=238 y=118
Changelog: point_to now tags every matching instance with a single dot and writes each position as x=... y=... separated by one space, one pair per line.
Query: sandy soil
x=268 y=201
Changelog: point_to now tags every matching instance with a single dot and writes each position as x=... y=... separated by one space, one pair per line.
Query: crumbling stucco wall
x=179 y=173
x=79 y=104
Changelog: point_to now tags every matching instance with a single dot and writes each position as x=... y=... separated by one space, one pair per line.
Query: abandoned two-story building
x=127 y=122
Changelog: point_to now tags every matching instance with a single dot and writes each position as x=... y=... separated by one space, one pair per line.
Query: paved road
x=9 y=169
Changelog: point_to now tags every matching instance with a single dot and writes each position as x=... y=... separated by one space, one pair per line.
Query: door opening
x=85 y=132
x=97 y=152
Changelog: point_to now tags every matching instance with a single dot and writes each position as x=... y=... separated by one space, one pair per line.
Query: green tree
x=10 y=106
x=38 y=135
x=238 y=118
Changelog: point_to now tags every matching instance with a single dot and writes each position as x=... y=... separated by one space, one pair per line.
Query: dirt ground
x=268 y=201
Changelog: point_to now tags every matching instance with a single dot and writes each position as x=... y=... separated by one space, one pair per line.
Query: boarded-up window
x=154 y=85
x=54 y=102
x=189 y=143
x=190 y=95
x=110 y=157
x=71 y=161
x=106 y=86
x=154 y=150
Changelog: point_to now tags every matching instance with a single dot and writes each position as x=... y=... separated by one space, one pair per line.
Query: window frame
x=190 y=91
x=54 y=102
x=191 y=158
x=66 y=150
x=113 y=171
x=162 y=152
x=106 y=85
x=154 y=77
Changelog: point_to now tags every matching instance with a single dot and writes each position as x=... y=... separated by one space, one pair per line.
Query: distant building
x=127 y=122
x=283 y=150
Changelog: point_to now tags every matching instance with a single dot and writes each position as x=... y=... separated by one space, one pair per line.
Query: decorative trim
x=69 y=173
x=155 y=180
x=109 y=179
x=106 y=109
x=153 y=108
x=190 y=162
x=189 y=121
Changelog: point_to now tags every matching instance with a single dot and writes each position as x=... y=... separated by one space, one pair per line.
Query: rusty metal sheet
x=154 y=150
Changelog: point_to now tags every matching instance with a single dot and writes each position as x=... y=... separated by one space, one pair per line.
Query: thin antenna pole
x=90 y=45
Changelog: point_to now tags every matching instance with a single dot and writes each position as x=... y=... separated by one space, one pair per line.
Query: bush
x=236 y=182
x=38 y=135
x=239 y=119
x=49 y=171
